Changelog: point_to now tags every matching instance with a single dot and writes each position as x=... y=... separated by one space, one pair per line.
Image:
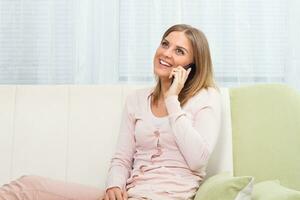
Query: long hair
x=201 y=75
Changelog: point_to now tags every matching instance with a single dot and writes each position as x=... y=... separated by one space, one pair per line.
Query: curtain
x=96 y=42
x=251 y=41
x=58 y=41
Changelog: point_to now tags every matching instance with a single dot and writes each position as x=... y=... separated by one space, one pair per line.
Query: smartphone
x=192 y=66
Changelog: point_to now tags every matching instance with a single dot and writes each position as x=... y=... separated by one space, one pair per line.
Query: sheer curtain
x=292 y=70
x=58 y=41
x=251 y=41
x=91 y=42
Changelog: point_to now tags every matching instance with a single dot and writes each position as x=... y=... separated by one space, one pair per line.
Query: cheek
x=179 y=61
x=157 y=55
x=182 y=61
x=157 y=52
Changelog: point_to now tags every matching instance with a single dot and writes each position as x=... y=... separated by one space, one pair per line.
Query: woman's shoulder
x=206 y=96
x=209 y=92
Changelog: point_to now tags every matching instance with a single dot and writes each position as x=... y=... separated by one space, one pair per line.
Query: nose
x=167 y=52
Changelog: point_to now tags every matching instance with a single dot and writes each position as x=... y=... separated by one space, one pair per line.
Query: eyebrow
x=180 y=47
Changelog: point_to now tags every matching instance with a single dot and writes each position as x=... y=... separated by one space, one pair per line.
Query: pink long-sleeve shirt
x=165 y=161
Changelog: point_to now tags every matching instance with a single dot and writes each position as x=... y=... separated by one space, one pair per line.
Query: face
x=175 y=50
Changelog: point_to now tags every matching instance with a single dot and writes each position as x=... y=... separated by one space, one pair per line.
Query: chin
x=161 y=73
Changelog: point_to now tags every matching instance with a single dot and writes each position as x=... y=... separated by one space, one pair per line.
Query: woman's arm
x=121 y=162
x=196 y=139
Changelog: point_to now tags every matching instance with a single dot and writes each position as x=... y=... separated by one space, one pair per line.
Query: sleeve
x=195 y=139
x=121 y=162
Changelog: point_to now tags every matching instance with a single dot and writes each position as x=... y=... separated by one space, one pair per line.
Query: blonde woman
x=167 y=133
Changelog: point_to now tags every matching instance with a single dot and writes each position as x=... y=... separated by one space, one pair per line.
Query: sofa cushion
x=272 y=190
x=223 y=186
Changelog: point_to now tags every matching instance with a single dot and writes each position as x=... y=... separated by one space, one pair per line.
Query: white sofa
x=69 y=132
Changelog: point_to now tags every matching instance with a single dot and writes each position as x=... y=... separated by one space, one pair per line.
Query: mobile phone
x=191 y=65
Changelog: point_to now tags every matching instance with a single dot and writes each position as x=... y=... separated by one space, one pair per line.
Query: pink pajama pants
x=40 y=188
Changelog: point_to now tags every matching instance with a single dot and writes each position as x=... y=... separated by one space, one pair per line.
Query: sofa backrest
x=69 y=132
x=266 y=133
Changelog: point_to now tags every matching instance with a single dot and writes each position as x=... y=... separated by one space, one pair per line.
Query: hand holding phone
x=186 y=67
x=180 y=75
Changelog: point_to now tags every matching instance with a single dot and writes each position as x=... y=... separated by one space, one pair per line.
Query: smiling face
x=174 y=50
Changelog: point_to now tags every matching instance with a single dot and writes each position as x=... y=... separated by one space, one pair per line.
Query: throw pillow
x=272 y=190
x=223 y=186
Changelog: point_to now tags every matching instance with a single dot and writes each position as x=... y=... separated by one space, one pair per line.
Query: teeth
x=164 y=63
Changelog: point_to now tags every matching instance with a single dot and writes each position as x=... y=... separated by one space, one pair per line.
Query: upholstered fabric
x=69 y=132
x=272 y=190
x=266 y=133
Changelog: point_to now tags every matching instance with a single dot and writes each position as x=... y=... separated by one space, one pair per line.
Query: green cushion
x=225 y=187
x=266 y=133
x=272 y=190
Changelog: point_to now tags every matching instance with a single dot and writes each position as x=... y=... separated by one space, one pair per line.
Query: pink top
x=165 y=161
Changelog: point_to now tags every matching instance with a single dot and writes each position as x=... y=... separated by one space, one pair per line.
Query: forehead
x=179 y=39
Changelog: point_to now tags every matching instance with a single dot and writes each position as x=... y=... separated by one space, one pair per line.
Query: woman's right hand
x=115 y=193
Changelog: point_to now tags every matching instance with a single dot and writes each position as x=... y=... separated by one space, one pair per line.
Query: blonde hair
x=201 y=75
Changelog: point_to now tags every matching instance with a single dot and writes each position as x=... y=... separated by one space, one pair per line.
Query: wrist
x=172 y=104
x=167 y=95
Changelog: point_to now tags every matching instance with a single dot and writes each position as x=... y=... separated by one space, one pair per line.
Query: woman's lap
x=36 y=187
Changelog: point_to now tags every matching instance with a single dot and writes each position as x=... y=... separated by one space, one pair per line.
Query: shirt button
x=154 y=156
x=142 y=168
x=159 y=151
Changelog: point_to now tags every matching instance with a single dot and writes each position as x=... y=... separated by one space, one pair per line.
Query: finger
x=125 y=195
x=172 y=74
x=106 y=197
x=118 y=194
x=111 y=195
x=183 y=69
x=183 y=74
x=179 y=67
x=180 y=71
x=175 y=77
x=174 y=69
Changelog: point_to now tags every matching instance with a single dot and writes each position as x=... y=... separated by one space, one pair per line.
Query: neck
x=165 y=85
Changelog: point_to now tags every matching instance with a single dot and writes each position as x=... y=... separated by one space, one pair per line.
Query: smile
x=164 y=63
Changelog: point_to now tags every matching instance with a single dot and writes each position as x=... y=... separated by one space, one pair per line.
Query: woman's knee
x=31 y=181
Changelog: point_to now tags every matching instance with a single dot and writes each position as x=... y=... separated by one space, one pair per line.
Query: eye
x=179 y=52
x=164 y=44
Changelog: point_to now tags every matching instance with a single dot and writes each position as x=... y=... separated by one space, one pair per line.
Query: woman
x=166 y=136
